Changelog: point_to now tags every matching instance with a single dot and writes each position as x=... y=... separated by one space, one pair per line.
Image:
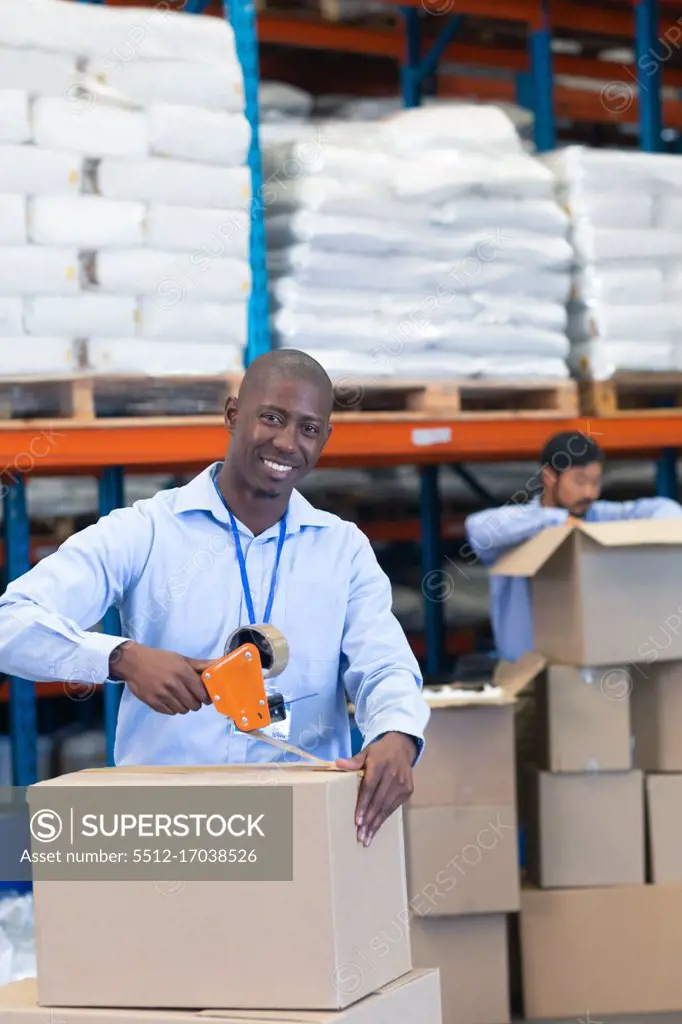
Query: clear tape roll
x=271 y=643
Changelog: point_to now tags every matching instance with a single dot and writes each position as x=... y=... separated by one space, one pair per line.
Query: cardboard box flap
x=507 y=681
x=633 y=532
x=528 y=558
x=455 y=695
x=515 y=676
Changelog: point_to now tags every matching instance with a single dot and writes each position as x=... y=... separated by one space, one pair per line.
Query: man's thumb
x=199 y=664
x=352 y=764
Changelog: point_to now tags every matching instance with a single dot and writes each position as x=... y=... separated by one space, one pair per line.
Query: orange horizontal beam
x=400 y=531
x=621 y=106
x=495 y=90
x=326 y=35
x=42 y=690
x=358 y=439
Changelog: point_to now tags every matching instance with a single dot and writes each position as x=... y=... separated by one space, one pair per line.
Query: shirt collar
x=200 y=495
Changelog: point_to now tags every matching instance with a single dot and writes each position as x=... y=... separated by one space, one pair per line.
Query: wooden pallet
x=645 y=393
x=470 y=398
x=83 y=399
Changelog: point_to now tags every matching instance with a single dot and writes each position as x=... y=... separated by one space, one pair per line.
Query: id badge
x=280 y=730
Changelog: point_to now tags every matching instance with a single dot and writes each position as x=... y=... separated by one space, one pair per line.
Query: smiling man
x=238 y=545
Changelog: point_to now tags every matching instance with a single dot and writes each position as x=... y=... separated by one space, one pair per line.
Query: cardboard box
x=469 y=756
x=601 y=592
x=588 y=952
x=657 y=717
x=414 y=997
x=462 y=860
x=664 y=831
x=334 y=934
x=472 y=955
x=583 y=719
x=587 y=830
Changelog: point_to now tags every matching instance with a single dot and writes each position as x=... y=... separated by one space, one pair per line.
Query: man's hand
x=387 y=784
x=165 y=681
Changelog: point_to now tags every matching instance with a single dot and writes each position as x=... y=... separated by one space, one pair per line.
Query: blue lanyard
x=242 y=563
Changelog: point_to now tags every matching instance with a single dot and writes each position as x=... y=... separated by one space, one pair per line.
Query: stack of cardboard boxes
x=306 y=925
x=600 y=924
x=461 y=842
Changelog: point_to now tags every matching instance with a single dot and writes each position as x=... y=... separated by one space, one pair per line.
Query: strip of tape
x=290 y=749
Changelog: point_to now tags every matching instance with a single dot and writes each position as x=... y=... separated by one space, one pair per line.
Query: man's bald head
x=286 y=364
x=279 y=423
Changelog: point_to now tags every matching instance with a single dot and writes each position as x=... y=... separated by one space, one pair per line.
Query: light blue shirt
x=169 y=564
x=494 y=532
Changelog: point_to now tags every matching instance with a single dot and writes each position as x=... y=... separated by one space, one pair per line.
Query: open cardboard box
x=469 y=753
x=603 y=592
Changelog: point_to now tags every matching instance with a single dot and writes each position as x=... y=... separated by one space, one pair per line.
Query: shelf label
x=423 y=436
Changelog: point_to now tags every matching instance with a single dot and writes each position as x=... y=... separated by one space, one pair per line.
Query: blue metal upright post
x=22 y=697
x=648 y=68
x=111 y=496
x=666 y=475
x=242 y=15
x=542 y=83
x=435 y=586
x=648 y=71
x=411 y=71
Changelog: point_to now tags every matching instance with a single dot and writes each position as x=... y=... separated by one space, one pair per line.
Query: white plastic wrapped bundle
x=397 y=336
x=86 y=222
x=619 y=246
x=11 y=318
x=627 y=323
x=432 y=223
x=17 y=935
x=15 y=121
x=170 y=277
x=37 y=172
x=536 y=216
x=31 y=269
x=450 y=176
x=636 y=283
x=201 y=321
x=125 y=189
x=83 y=315
x=161 y=358
x=91 y=128
x=190 y=133
x=599 y=359
x=215 y=233
x=450 y=127
x=175 y=183
x=36 y=72
x=213 y=85
x=625 y=210
x=22 y=356
x=115 y=34
x=13 y=221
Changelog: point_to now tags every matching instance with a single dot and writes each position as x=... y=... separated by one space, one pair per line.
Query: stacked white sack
x=124 y=190
x=626 y=215
x=421 y=244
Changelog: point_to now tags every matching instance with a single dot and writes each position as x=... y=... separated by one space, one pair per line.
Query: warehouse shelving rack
x=104 y=448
